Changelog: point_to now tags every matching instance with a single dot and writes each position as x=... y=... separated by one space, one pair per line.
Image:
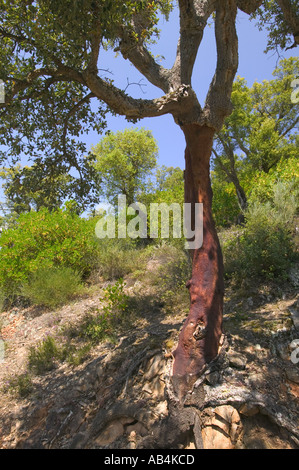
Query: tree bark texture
x=200 y=336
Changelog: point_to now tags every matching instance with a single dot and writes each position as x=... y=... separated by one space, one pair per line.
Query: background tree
x=45 y=184
x=169 y=178
x=124 y=163
x=51 y=63
x=25 y=192
x=260 y=132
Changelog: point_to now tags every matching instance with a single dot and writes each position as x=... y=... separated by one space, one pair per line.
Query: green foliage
x=124 y=163
x=2 y=300
x=37 y=186
x=44 y=240
x=51 y=287
x=259 y=136
x=76 y=355
x=167 y=188
x=262 y=185
x=171 y=277
x=21 y=385
x=116 y=258
x=114 y=298
x=170 y=179
x=264 y=248
x=46 y=114
x=270 y=17
x=225 y=206
x=44 y=356
x=113 y=315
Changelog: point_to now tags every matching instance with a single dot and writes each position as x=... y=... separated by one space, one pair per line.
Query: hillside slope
x=120 y=395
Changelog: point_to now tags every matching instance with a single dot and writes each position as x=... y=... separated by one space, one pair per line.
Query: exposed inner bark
x=200 y=336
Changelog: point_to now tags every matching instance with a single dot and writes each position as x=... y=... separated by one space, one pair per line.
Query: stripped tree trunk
x=200 y=336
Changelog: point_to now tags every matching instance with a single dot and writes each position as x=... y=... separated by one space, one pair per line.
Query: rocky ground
x=121 y=396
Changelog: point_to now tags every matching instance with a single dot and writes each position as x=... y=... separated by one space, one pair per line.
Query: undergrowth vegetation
x=45 y=240
x=52 y=287
x=51 y=258
x=264 y=248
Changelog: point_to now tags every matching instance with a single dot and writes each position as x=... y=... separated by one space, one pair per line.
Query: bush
x=264 y=185
x=225 y=203
x=21 y=385
x=115 y=259
x=2 y=300
x=45 y=240
x=264 y=247
x=51 y=287
x=171 y=276
x=43 y=357
x=113 y=315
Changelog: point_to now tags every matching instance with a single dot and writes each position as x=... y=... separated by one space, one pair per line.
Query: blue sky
x=254 y=65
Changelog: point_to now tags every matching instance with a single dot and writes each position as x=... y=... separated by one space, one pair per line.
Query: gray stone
x=292 y=374
x=295 y=316
x=237 y=361
x=248 y=409
x=213 y=378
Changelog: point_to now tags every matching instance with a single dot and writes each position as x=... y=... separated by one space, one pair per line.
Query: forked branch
x=218 y=103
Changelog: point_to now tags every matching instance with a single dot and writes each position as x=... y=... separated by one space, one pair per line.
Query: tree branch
x=291 y=17
x=222 y=166
x=123 y=104
x=193 y=19
x=141 y=58
x=289 y=128
x=242 y=146
x=249 y=6
x=218 y=103
x=96 y=39
x=61 y=73
x=229 y=151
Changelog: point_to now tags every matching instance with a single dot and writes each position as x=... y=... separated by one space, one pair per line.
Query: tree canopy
x=261 y=130
x=281 y=21
x=124 y=162
x=52 y=65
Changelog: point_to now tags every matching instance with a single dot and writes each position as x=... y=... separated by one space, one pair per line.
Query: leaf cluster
x=271 y=17
x=45 y=240
x=124 y=163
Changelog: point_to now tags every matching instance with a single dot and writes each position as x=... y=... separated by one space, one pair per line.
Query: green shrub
x=225 y=203
x=264 y=247
x=112 y=316
x=51 y=287
x=171 y=276
x=2 y=300
x=115 y=261
x=76 y=355
x=20 y=385
x=43 y=357
x=44 y=239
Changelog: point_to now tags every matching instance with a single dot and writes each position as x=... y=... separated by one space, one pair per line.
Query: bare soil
x=121 y=395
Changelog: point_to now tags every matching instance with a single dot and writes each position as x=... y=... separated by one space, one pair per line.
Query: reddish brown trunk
x=200 y=336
